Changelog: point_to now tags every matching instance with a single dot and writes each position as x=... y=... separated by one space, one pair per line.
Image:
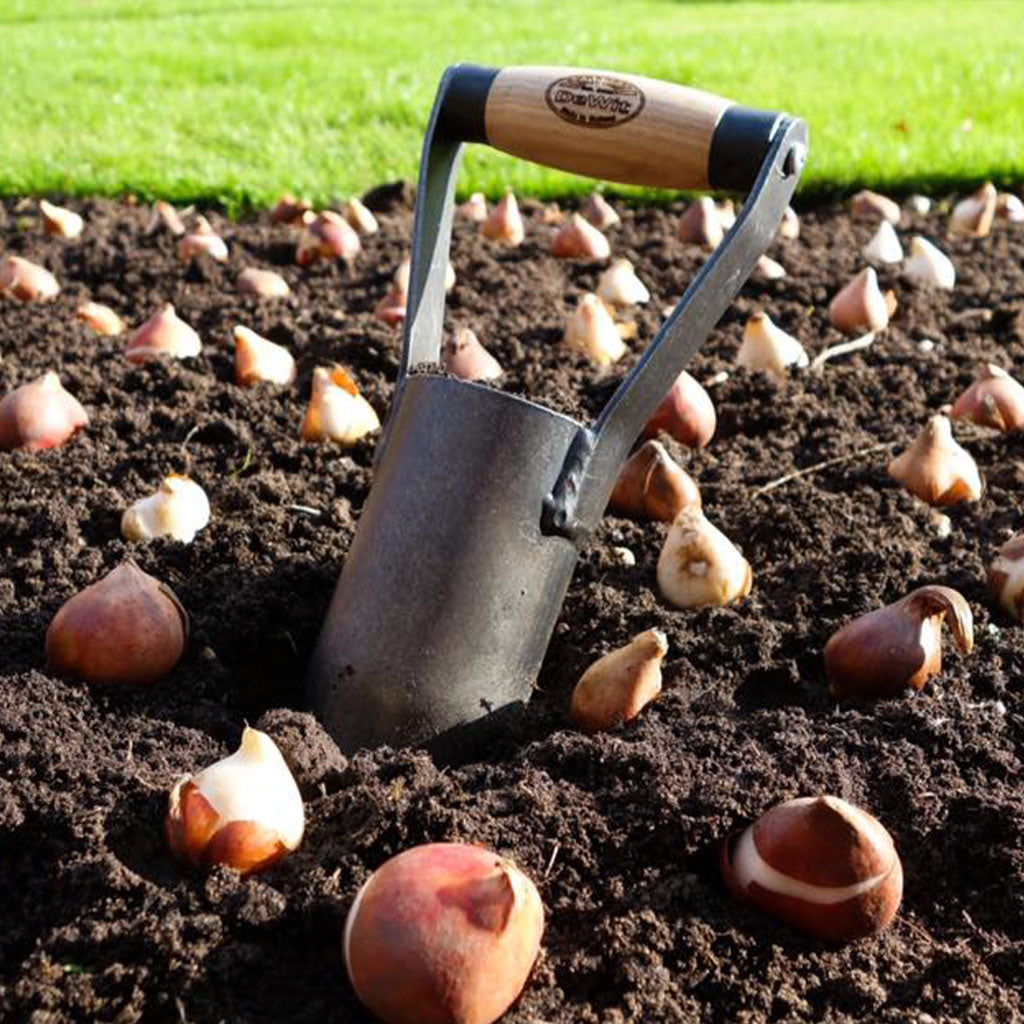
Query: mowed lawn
x=232 y=100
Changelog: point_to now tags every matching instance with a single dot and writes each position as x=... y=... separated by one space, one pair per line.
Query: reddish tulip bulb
x=819 y=865
x=464 y=356
x=600 y=213
x=260 y=360
x=474 y=208
x=163 y=334
x=579 y=240
x=994 y=400
x=652 y=485
x=127 y=628
x=685 y=413
x=860 y=307
x=327 y=237
x=444 y=933
x=39 y=415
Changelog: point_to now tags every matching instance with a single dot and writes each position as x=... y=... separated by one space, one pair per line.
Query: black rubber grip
x=465 y=101
x=738 y=147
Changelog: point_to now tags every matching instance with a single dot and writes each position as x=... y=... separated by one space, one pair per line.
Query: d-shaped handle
x=618 y=127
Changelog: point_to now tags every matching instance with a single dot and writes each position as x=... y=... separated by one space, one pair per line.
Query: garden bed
x=620 y=831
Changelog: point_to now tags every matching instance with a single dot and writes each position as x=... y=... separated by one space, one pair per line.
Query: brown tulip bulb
x=504 y=223
x=860 y=307
x=327 y=236
x=885 y=651
x=685 y=413
x=618 y=686
x=444 y=933
x=1006 y=576
x=652 y=485
x=820 y=865
x=577 y=239
x=39 y=415
x=127 y=628
x=290 y=210
x=870 y=205
x=599 y=212
x=701 y=224
x=974 y=215
x=936 y=469
x=994 y=400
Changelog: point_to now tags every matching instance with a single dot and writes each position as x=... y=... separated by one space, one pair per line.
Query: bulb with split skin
x=599 y=212
x=39 y=415
x=686 y=413
x=868 y=205
x=699 y=566
x=936 y=469
x=768 y=348
x=59 y=221
x=619 y=286
x=505 y=223
x=860 y=307
x=652 y=485
x=444 y=933
x=264 y=284
x=337 y=411
x=701 y=224
x=244 y=811
x=163 y=334
x=26 y=281
x=1006 y=576
x=178 y=511
x=259 y=360
x=974 y=215
x=464 y=356
x=819 y=865
x=886 y=651
x=328 y=236
x=619 y=685
x=127 y=628
x=591 y=331
x=102 y=319
x=203 y=241
x=994 y=400
x=577 y=239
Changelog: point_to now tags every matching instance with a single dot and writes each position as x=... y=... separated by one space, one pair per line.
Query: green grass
x=236 y=101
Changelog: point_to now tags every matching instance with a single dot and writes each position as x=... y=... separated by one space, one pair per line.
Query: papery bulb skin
x=474 y=208
x=974 y=215
x=244 y=811
x=39 y=415
x=1006 y=577
x=789 y=226
x=884 y=246
x=102 y=319
x=203 y=241
x=819 y=865
x=444 y=933
x=885 y=652
x=127 y=628
x=359 y=217
x=618 y=686
x=328 y=236
x=686 y=413
x=652 y=485
x=936 y=469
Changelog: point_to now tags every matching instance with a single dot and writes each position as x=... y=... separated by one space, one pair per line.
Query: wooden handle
x=623 y=128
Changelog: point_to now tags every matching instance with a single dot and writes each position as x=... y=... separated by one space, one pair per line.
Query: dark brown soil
x=619 y=831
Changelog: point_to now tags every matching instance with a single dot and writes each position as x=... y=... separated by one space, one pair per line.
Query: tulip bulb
x=289 y=210
x=820 y=865
x=327 y=236
x=619 y=285
x=39 y=415
x=244 y=811
x=127 y=628
x=59 y=221
x=178 y=511
x=474 y=208
x=102 y=319
x=652 y=485
x=860 y=307
x=166 y=216
x=929 y=265
x=768 y=269
x=883 y=652
x=884 y=246
x=579 y=240
x=203 y=241
x=1006 y=576
x=463 y=356
x=685 y=413
x=789 y=226
x=600 y=213
x=591 y=331
x=27 y=281
x=504 y=223
x=994 y=400
x=444 y=933
x=974 y=215
x=870 y=205
x=336 y=410
x=768 y=348
x=551 y=214
x=163 y=334
x=726 y=214
x=264 y=284
x=359 y=217
x=258 y=359
x=617 y=687
x=936 y=469
x=1009 y=208
x=919 y=204
x=701 y=224
x=699 y=566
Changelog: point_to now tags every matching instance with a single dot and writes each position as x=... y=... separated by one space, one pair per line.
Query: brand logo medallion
x=595 y=101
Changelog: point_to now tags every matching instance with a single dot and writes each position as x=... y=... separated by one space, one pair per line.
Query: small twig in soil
x=841 y=350
x=551 y=859
x=807 y=471
x=306 y=509
x=186 y=454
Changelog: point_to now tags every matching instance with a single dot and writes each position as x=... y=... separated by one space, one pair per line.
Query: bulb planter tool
x=481 y=500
